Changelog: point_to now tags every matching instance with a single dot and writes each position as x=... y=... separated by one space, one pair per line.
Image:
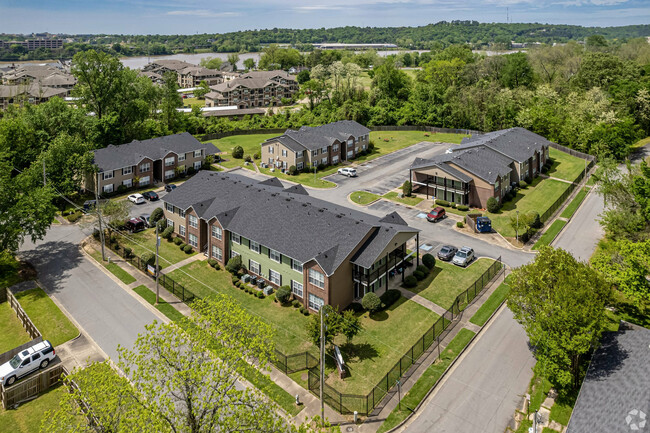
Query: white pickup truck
x=27 y=361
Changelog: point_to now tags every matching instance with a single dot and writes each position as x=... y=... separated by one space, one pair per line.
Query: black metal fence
x=429 y=342
x=424 y=128
x=167 y=282
x=560 y=201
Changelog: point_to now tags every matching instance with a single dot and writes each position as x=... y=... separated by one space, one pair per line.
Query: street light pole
x=99 y=217
x=157 y=245
x=517 y=232
x=322 y=366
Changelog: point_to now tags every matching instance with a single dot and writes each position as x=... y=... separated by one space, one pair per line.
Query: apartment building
x=311 y=146
x=147 y=162
x=188 y=74
x=253 y=89
x=483 y=166
x=28 y=93
x=327 y=254
x=33 y=44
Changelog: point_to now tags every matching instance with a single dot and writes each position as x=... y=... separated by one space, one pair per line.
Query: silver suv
x=346 y=171
x=463 y=257
x=27 y=361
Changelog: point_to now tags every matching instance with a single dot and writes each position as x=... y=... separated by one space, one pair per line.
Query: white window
x=314 y=153
x=299 y=154
x=284 y=152
x=275 y=256
x=275 y=277
x=145 y=167
x=170 y=223
x=197 y=165
x=108 y=188
x=335 y=148
x=296 y=265
x=192 y=240
x=144 y=181
x=217 y=253
x=127 y=170
x=194 y=221
x=299 y=166
x=254 y=267
x=323 y=151
x=198 y=153
x=363 y=147
x=254 y=246
x=335 y=159
x=270 y=161
x=169 y=161
x=233 y=254
x=181 y=230
x=169 y=174
x=128 y=183
x=107 y=175
x=316 y=278
x=217 y=232
x=350 y=142
x=270 y=149
x=315 y=303
x=296 y=288
x=324 y=161
x=350 y=153
x=181 y=213
x=169 y=207
x=181 y=157
x=235 y=238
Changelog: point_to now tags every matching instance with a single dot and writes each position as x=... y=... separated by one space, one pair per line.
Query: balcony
x=396 y=261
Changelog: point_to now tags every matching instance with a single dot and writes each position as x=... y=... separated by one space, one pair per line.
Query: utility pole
x=399 y=394
x=517 y=226
x=99 y=217
x=157 y=245
x=535 y=422
x=585 y=176
x=322 y=366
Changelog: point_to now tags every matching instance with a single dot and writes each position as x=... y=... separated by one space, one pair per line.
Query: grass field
x=190 y=102
x=565 y=166
x=575 y=204
x=12 y=333
x=251 y=144
x=363 y=197
x=165 y=308
x=491 y=304
x=145 y=241
x=46 y=316
x=541 y=194
x=409 y=201
x=428 y=379
x=385 y=336
x=307 y=179
x=114 y=269
x=28 y=417
x=447 y=281
x=549 y=234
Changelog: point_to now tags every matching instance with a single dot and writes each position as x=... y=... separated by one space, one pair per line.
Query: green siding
x=266 y=263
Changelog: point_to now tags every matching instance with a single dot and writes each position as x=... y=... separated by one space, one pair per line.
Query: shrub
x=148 y=258
x=128 y=252
x=371 y=145
x=156 y=215
x=462 y=207
x=182 y=246
x=419 y=275
x=302 y=310
x=306 y=312
x=429 y=261
x=234 y=279
x=423 y=269
x=190 y=171
x=121 y=188
x=371 y=302
x=260 y=295
x=293 y=170
x=167 y=233
x=356 y=307
x=532 y=219
x=362 y=153
x=407 y=188
x=460 y=224
x=234 y=265
x=410 y=281
x=162 y=225
x=238 y=152
x=212 y=262
x=442 y=203
x=493 y=205
x=238 y=284
x=96 y=234
x=390 y=297
x=523 y=184
x=256 y=155
x=320 y=167
x=248 y=158
x=283 y=294
x=177 y=241
x=296 y=303
x=73 y=218
x=187 y=249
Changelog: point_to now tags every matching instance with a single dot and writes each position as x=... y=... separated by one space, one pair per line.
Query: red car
x=436 y=214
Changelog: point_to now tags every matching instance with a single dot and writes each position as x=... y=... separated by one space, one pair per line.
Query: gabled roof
x=114 y=157
x=272 y=181
x=316 y=137
x=285 y=220
x=519 y=144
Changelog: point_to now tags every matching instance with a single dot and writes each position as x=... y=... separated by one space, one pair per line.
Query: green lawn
x=190 y=102
x=384 y=339
x=550 y=234
x=575 y=203
x=251 y=143
x=12 y=333
x=363 y=197
x=409 y=201
x=641 y=143
x=114 y=269
x=307 y=179
x=167 y=309
x=46 y=316
x=447 y=281
x=428 y=380
x=541 y=194
x=390 y=141
x=28 y=417
x=145 y=241
x=565 y=166
x=491 y=304
x=9 y=270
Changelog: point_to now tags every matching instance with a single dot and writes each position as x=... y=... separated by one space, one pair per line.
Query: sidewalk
x=182 y=263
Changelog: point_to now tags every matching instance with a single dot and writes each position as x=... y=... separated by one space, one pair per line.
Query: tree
x=350 y=325
x=171 y=100
x=238 y=152
x=98 y=80
x=201 y=90
x=407 y=188
x=234 y=264
x=303 y=76
x=371 y=302
x=249 y=64
x=560 y=302
x=233 y=58
x=626 y=264
x=115 y=213
x=517 y=71
x=493 y=205
x=283 y=294
x=391 y=82
x=211 y=62
x=332 y=320
x=156 y=215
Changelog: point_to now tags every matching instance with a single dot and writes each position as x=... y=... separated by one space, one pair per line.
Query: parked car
x=27 y=361
x=150 y=195
x=136 y=198
x=169 y=187
x=135 y=225
x=145 y=218
x=436 y=214
x=447 y=252
x=463 y=257
x=347 y=171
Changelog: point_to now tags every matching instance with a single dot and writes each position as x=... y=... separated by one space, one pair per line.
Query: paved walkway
x=187 y=261
x=419 y=299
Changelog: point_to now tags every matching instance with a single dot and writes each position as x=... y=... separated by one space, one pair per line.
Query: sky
x=220 y=16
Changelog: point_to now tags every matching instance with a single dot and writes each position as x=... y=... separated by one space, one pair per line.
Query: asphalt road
x=580 y=236
x=107 y=314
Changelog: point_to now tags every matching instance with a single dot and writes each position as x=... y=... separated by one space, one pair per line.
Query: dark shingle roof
x=114 y=157
x=272 y=181
x=617 y=385
x=518 y=144
x=293 y=223
x=316 y=137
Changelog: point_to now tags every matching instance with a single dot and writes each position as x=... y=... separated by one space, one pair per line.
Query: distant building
x=337 y=46
x=34 y=83
x=188 y=74
x=253 y=89
x=33 y=44
x=31 y=93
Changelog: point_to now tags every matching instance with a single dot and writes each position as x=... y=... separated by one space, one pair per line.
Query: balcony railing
x=396 y=259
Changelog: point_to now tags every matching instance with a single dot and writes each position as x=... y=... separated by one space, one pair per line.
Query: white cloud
x=202 y=13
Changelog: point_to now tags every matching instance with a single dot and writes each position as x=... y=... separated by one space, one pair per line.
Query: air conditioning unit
x=268 y=290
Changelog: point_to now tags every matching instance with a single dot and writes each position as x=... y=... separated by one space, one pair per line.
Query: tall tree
x=99 y=81
x=517 y=71
x=626 y=264
x=249 y=64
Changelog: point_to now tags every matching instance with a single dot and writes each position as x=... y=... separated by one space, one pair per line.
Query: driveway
x=581 y=235
x=107 y=314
